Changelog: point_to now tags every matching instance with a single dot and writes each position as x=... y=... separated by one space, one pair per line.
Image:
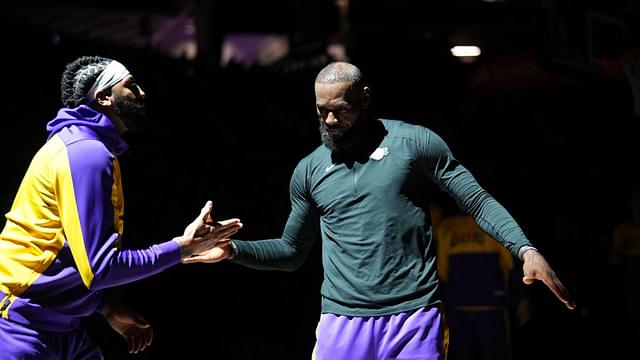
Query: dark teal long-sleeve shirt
x=373 y=217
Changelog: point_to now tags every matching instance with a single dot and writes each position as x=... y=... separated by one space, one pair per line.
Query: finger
x=139 y=342
x=130 y=347
x=194 y=259
x=144 y=341
x=559 y=291
x=230 y=229
x=141 y=322
x=150 y=338
x=223 y=242
x=133 y=344
x=205 y=229
x=189 y=260
x=528 y=280
x=206 y=210
x=209 y=241
x=563 y=294
x=224 y=234
x=213 y=256
x=228 y=222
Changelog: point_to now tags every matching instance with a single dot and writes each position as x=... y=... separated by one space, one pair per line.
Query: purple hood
x=85 y=116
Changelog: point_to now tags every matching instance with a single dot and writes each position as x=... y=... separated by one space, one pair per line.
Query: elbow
x=293 y=264
x=95 y=285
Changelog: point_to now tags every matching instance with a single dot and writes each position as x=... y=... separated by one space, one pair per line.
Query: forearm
x=125 y=266
x=288 y=252
x=496 y=221
x=488 y=213
x=272 y=254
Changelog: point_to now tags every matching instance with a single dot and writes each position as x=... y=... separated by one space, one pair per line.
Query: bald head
x=337 y=72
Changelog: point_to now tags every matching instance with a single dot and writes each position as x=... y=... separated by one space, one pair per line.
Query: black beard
x=132 y=113
x=347 y=142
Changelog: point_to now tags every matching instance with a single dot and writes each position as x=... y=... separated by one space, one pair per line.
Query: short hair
x=340 y=71
x=78 y=77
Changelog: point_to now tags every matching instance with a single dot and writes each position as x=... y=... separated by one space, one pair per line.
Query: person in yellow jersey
x=479 y=282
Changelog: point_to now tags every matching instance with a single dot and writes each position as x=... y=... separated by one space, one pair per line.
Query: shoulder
x=85 y=150
x=399 y=128
x=304 y=171
x=422 y=138
x=313 y=159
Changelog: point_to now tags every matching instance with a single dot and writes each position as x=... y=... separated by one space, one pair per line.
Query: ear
x=366 y=97
x=103 y=97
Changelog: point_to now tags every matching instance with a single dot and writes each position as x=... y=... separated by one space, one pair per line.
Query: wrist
x=524 y=250
x=233 y=248
x=185 y=249
x=109 y=308
x=104 y=309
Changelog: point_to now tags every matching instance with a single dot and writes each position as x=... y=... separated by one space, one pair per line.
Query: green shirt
x=372 y=213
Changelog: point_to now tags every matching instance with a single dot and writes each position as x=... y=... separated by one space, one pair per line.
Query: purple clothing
x=61 y=244
x=411 y=335
x=94 y=120
x=24 y=343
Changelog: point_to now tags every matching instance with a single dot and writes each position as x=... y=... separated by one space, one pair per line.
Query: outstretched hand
x=537 y=268
x=218 y=253
x=130 y=325
x=203 y=234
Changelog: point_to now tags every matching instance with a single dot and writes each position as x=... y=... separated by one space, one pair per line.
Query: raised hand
x=221 y=251
x=202 y=235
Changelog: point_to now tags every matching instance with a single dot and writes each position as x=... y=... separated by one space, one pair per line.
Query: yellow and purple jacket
x=61 y=245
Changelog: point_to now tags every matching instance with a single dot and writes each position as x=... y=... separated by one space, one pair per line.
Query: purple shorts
x=408 y=335
x=19 y=342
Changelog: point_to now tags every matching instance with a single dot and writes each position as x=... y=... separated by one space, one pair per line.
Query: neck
x=114 y=118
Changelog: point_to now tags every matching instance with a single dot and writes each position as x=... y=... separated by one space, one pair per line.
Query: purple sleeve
x=91 y=207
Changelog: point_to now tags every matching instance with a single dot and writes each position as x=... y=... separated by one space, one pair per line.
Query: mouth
x=334 y=132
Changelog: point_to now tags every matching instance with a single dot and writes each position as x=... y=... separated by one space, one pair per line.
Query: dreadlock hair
x=78 y=77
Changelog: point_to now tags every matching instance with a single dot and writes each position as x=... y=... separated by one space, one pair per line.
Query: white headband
x=111 y=75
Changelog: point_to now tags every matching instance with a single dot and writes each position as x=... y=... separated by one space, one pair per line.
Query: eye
x=322 y=112
x=338 y=112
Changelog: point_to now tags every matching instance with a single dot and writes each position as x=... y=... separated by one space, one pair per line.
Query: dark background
x=544 y=118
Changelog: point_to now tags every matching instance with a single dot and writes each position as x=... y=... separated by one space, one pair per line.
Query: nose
x=141 y=92
x=331 y=119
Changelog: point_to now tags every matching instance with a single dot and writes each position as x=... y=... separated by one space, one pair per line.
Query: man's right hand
x=221 y=251
x=202 y=235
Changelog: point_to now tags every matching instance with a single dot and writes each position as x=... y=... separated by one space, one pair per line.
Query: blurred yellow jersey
x=626 y=240
x=473 y=267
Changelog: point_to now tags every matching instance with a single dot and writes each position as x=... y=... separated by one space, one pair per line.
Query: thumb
x=206 y=210
x=140 y=321
x=189 y=260
x=528 y=279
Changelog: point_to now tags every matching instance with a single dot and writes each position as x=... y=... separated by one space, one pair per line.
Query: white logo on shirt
x=380 y=153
